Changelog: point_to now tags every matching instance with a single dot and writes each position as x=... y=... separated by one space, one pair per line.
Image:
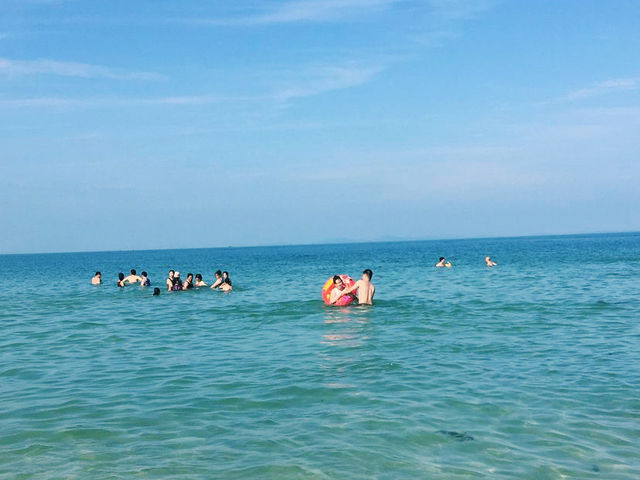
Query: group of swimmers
x=174 y=282
x=444 y=263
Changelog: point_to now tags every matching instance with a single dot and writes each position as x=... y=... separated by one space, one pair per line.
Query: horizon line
x=346 y=242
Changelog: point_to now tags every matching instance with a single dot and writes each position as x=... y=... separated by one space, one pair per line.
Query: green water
x=529 y=370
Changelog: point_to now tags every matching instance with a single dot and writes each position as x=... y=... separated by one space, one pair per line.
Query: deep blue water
x=528 y=370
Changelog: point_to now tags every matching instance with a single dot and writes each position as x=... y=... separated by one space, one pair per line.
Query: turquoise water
x=529 y=370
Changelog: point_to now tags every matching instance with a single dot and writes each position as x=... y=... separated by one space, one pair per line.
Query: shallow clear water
x=528 y=370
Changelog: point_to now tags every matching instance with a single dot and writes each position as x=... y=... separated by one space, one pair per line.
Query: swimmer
x=199 y=282
x=133 y=278
x=156 y=291
x=177 y=283
x=225 y=286
x=225 y=278
x=144 y=280
x=338 y=289
x=170 y=280
x=489 y=262
x=365 y=289
x=97 y=279
x=218 y=281
x=120 y=282
x=442 y=262
x=188 y=283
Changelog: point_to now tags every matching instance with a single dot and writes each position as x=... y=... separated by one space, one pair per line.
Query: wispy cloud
x=69 y=69
x=320 y=79
x=302 y=11
x=600 y=88
x=66 y=102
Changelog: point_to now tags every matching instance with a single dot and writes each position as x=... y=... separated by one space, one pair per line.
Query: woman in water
x=188 y=283
x=199 y=282
x=120 y=279
x=170 y=280
x=177 y=283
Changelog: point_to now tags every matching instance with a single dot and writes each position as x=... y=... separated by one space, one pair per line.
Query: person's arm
x=216 y=284
x=352 y=288
x=169 y=284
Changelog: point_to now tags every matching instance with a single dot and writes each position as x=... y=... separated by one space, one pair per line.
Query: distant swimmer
x=133 y=278
x=156 y=291
x=226 y=279
x=177 y=283
x=218 y=281
x=199 y=282
x=144 y=280
x=225 y=286
x=97 y=279
x=120 y=282
x=170 y=280
x=188 y=283
x=489 y=262
x=443 y=263
x=365 y=289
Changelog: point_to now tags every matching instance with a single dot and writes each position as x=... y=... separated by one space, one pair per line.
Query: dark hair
x=98 y=273
x=144 y=274
x=368 y=273
x=198 y=276
x=227 y=281
x=156 y=291
x=121 y=276
x=133 y=271
x=441 y=258
x=225 y=273
x=189 y=275
x=336 y=278
x=218 y=273
x=172 y=271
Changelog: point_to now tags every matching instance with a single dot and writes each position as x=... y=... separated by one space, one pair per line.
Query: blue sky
x=169 y=124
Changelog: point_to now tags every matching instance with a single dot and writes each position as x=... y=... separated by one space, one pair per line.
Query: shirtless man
x=443 y=263
x=489 y=262
x=133 y=278
x=97 y=279
x=199 y=281
x=365 y=289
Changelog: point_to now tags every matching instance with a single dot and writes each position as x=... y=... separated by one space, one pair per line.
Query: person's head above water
x=133 y=271
x=98 y=274
x=337 y=281
x=441 y=259
x=368 y=273
x=121 y=276
x=156 y=291
x=189 y=276
x=225 y=274
x=218 y=274
x=144 y=274
x=198 y=277
x=176 y=274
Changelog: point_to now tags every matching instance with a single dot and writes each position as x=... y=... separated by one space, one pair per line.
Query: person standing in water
x=199 y=281
x=133 y=278
x=97 y=279
x=489 y=262
x=177 y=283
x=170 y=280
x=365 y=289
x=218 y=281
x=144 y=280
x=120 y=282
x=188 y=283
x=442 y=262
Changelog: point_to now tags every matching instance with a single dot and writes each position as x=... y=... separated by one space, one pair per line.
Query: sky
x=176 y=124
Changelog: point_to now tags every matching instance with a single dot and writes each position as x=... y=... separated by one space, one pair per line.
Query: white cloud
x=69 y=69
x=600 y=88
x=321 y=79
x=304 y=11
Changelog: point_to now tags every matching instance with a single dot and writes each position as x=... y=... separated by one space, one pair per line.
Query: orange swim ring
x=329 y=286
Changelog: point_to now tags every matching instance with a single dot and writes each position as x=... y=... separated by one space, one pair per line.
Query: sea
x=528 y=370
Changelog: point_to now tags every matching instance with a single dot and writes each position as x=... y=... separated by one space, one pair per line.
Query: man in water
x=489 y=262
x=97 y=279
x=133 y=278
x=365 y=289
x=443 y=263
x=144 y=280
